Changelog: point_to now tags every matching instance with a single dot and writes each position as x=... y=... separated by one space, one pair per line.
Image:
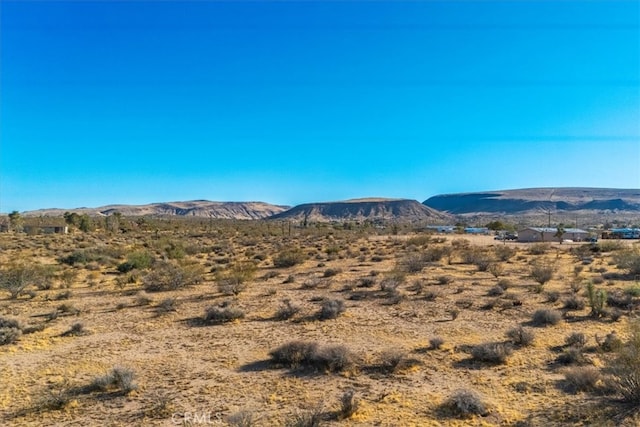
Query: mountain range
x=533 y=202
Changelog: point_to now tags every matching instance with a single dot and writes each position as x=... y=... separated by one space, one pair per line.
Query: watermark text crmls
x=197 y=418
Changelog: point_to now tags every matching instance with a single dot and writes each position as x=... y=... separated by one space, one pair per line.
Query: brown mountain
x=198 y=208
x=537 y=200
x=375 y=209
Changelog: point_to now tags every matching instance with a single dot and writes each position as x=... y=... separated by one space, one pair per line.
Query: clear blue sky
x=296 y=101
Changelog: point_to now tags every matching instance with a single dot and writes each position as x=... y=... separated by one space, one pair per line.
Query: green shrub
x=167 y=276
x=16 y=277
x=542 y=272
x=288 y=258
x=597 y=300
x=628 y=260
x=504 y=253
x=232 y=281
x=136 y=260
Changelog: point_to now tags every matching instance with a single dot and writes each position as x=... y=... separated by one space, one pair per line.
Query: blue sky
x=297 y=101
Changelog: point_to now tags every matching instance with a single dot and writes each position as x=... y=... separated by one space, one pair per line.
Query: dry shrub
x=436 y=343
x=542 y=272
x=302 y=354
x=572 y=356
x=465 y=404
x=348 y=405
x=288 y=258
x=287 y=310
x=493 y=352
x=582 y=378
x=225 y=313
x=625 y=367
x=539 y=248
x=576 y=339
x=119 y=379
x=574 y=302
x=168 y=276
x=232 y=281
x=520 y=336
x=331 y=309
x=294 y=354
x=544 y=317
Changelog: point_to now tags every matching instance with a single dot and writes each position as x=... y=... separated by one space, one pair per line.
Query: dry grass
x=393 y=347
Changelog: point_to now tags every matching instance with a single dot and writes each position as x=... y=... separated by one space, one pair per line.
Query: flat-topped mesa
x=532 y=200
x=371 y=208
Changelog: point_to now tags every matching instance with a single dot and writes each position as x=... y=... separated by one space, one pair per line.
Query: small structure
x=548 y=234
x=476 y=230
x=442 y=228
x=46 y=229
x=622 y=233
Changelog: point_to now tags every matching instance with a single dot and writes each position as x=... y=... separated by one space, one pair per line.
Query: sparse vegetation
x=625 y=367
x=217 y=272
x=629 y=260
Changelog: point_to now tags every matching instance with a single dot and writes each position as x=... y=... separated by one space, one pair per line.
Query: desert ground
x=252 y=323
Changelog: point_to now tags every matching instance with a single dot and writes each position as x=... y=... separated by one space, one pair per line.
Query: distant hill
x=364 y=209
x=536 y=200
x=197 y=208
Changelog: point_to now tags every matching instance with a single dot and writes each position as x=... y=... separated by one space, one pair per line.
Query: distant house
x=622 y=233
x=46 y=229
x=548 y=234
x=442 y=228
x=476 y=230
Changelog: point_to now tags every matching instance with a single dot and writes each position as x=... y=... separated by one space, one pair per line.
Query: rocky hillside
x=198 y=208
x=536 y=200
x=374 y=209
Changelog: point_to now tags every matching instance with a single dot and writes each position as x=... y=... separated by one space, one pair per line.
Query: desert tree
x=560 y=230
x=15 y=278
x=15 y=221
